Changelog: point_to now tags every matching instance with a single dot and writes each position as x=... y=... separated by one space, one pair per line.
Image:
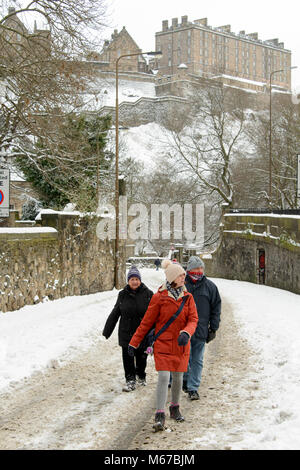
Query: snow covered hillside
x=102 y=92
x=53 y=333
x=146 y=144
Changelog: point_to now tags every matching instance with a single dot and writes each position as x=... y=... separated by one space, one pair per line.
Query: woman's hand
x=183 y=338
x=131 y=350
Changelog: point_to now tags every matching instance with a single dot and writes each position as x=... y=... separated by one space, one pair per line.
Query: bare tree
x=43 y=77
x=285 y=146
x=207 y=145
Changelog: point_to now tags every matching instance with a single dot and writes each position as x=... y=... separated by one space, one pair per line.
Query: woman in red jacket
x=172 y=348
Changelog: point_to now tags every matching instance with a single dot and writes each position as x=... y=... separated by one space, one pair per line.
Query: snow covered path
x=61 y=380
x=80 y=404
x=76 y=406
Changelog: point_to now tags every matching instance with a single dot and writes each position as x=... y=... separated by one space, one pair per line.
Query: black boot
x=193 y=395
x=184 y=386
x=175 y=413
x=159 y=424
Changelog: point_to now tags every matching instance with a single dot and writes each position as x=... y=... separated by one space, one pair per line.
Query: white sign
x=298 y=179
x=4 y=193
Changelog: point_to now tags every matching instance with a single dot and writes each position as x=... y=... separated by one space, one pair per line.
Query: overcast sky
x=269 y=18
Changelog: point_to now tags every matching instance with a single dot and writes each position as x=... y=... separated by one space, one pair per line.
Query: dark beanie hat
x=134 y=272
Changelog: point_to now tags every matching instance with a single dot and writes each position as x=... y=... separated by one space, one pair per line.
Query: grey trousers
x=162 y=388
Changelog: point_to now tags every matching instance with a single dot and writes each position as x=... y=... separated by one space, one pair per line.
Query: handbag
x=151 y=337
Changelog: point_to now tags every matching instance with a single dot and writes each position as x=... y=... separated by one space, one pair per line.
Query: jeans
x=134 y=366
x=193 y=375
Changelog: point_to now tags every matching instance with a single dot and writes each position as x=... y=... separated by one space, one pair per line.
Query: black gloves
x=211 y=335
x=183 y=339
x=131 y=350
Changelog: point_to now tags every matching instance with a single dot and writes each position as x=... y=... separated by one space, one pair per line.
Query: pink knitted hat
x=172 y=270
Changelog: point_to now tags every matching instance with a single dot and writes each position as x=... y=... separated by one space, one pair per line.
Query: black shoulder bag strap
x=171 y=319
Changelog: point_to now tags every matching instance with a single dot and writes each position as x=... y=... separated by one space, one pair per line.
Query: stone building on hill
x=240 y=59
x=121 y=43
x=17 y=40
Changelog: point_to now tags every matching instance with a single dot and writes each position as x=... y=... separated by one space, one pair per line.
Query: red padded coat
x=168 y=355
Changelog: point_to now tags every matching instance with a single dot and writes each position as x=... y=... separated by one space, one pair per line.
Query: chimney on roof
x=174 y=23
x=273 y=41
x=11 y=10
x=115 y=34
x=203 y=21
x=242 y=33
x=165 y=25
x=226 y=28
x=253 y=36
x=184 y=20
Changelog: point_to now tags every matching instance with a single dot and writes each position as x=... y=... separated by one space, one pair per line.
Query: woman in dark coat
x=130 y=308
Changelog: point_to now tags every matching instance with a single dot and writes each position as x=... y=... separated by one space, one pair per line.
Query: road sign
x=4 y=193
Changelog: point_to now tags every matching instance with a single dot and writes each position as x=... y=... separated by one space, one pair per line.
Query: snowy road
x=80 y=406
x=69 y=396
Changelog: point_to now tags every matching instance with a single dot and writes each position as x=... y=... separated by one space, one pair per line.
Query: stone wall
x=243 y=237
x=62 y=257
x=161 y=110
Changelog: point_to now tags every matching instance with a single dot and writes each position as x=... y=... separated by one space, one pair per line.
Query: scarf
x=173 y=291
x=195 y=276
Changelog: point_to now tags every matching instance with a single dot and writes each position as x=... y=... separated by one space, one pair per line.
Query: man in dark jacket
x=208 y=303
x=157 y=263
x=130 y=308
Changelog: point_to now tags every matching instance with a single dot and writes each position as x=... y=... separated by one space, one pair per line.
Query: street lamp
x=157 y=53
x=270 y=130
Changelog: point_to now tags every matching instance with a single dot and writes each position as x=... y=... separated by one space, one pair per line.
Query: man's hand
x=211 y=335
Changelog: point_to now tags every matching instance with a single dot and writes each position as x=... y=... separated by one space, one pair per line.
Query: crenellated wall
x=245 y=236
x=61 y=257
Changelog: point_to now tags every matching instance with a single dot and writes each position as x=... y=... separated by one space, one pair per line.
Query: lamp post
x=151 y=53
x=270 y=131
